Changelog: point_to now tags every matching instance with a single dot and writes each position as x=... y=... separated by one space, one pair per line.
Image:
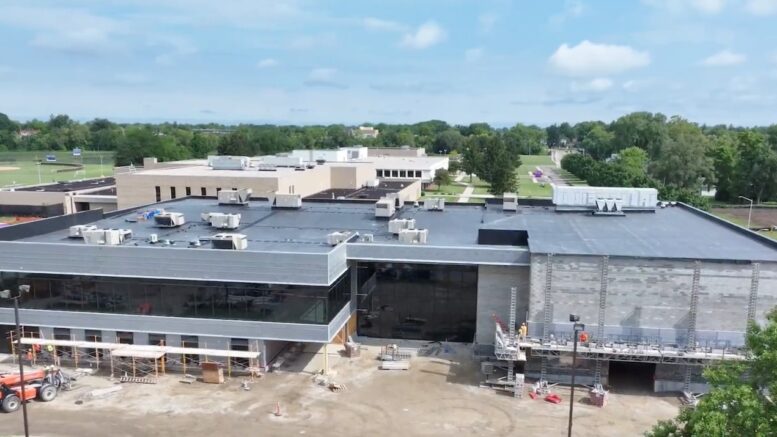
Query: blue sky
x=345 y=61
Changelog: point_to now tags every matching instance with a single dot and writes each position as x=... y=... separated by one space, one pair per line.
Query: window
x=172 y=192
x=418 y=174
x=157 y=339
x=218 y=189
x=158 y=192
x=125 y=337
x=402 y=174
x=188 y=191
x=394 y=173
x=191 y=341
x=380 y=173
x=203 y=191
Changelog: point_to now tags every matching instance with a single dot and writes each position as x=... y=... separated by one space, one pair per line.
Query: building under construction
x=662 y=289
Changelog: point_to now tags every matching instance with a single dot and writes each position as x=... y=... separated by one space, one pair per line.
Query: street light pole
x=750 y=212
x=577 y=328
x=21 y=364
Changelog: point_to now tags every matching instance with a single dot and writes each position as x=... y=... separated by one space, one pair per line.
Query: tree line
x=638 y=149
x=676 y=156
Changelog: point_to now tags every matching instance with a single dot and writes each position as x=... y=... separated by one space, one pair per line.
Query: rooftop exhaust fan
x=397 y=225
x=77 y=231
x=106 y=237
x=235 y=197
x=434 y=204
x=222 y=221
x=608 y=207
x=384 y=208
x=169 y=219
x=413 y=236
x=229 y=241
x=510 y=202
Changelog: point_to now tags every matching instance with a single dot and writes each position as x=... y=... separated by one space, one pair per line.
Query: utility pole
x=750 y=212
x=7 y=295
x=577 y=327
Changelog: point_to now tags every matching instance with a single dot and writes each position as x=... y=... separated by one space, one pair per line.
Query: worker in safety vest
x=523 y=331
x=583 y=337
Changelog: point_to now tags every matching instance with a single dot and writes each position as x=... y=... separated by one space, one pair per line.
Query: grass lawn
x=570 y=178
x=451 y=189
x=21 y=168
x=527 y=188
x=742 y=222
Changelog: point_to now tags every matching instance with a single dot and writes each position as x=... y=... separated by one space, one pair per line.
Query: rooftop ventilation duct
x=235 y=197
x=510 y=202
x=397 y=225
x=169 y=219
x=106 y=237
x=220 y=220
x=413 y=236
x=384 y=208
x=289 y=201
x=77 y=231
x=229 y=241
x=434 y=204
x=335 y=238
x=229 y=162
x=608 y=207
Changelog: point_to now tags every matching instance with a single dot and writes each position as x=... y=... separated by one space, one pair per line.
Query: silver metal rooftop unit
x=219 y=220
x=384 y=208
x=434 y=204
x=608 y=207
x=397 y=225
x=577 y=196
x=413 y=236
x=229 y=241
x=106 y=237
x=229 y=162
x=235 y=197
x=292 y=201
x=169 y=219
x=510 y=202
x=78 y=230
x=335 y=238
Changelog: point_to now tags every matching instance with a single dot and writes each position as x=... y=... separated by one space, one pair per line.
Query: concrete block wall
x=650 y=298
x=494 y=284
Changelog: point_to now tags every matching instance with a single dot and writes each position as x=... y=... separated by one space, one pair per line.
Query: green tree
x=525 y=140
x=757 y=167
x=203 y=144
x=741 y=400
x=683 y=160
x=142 y=141
x=640 y=129
x=236 y=143
x=553 y=135
x=442 y=177
x=634 y=161
x=598 y=142
x=725 y=157
x=472 y=156
x=447 y=141
x=454 y=162
x=497 y=165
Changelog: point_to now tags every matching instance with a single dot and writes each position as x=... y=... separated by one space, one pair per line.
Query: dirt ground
x=6 y=168
x=438 y=395
x=762 y=217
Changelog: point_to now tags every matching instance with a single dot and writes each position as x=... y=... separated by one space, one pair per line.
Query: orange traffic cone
x=278 y=409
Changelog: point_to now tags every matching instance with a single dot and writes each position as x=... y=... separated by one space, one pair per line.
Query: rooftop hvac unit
x=78 y=230
x=434 y=204
x=220 y=220
x=367 y=238
x=580 y=196
x=229 y=241
x=235 y=197
x=384 y=208
x=510 y=202
x=335 y=238
x=106 y=237
x=608 y=207
x=169 y=219
x=413 y=236
x=293 y=201
x=397 y=225
x=229 y=162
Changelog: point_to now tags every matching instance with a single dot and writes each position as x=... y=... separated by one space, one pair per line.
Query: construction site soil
x=439 y=395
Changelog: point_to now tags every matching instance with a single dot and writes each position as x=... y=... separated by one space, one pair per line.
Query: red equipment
x=40 y=384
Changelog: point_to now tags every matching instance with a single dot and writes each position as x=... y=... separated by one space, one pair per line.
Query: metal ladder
x=602 y=309
x=511 y=317
x=694 y=305
x=751 y=305
x=547 y=316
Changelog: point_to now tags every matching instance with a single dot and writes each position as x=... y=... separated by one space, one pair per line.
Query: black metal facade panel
x=414 y=253
x=170 y=263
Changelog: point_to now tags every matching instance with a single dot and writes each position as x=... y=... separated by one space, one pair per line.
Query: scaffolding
x=507 y=348
x=135 y=363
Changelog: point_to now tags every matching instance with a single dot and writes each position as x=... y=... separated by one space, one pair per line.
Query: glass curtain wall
x=238 y=301
x=418 y=301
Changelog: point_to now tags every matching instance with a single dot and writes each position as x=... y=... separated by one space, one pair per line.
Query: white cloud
x=474 y=54
x=761 y=7
x=724 y=58
x=682 y=6
x=322 y=73
x=598 y=84
x=591 y=59
x=427 y=35
x=267 y=63
x=487 y=21
x=372 y=23
x=572 y=9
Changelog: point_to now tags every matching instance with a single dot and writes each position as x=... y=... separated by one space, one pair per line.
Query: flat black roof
x=674 y=232
x=63 y=187
x=364 y=193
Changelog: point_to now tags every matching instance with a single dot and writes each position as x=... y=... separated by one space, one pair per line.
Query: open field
x=21 y=168
x=439 y=395
x=762 y=218
x=527 y=188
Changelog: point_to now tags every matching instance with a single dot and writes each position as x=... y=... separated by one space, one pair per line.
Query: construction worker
x=583 y=337
x=523 y=331
x=29 y=355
